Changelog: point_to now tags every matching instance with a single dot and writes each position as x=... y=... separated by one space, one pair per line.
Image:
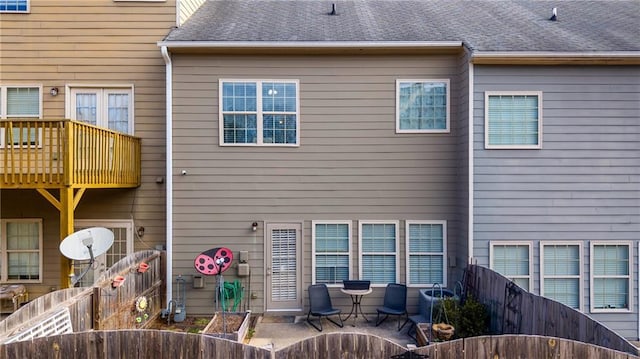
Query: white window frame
x=408 y=252
x=313 y=249
x=447 y=129
x=579 y=277
x=361 y=253
x=126 y=224
x=18 y=11
x=5 y=116
x=488 y=94
x=514 y=243
x=102 y=92
x=629 y=277
x=258 y=112
x=4 y=276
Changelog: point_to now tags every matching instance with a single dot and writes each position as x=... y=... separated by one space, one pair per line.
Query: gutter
x=470 y=229
x=169 y=173
x=550 y=57
x=556 y=54
x=310 y=44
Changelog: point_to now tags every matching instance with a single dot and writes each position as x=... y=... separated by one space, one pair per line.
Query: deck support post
x=66 y=228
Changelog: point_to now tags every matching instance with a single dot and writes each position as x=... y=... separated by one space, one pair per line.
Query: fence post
x=96 y=314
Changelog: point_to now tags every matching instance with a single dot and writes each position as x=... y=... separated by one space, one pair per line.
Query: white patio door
x=103 y=107
x=283 y=267
x=122 y=246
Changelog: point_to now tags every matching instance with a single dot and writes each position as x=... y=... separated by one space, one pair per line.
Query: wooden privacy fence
x=516 y=311
x=156 y=344
x=115 y=307
x=101 y=306
x=123 y=344
x=352 y=345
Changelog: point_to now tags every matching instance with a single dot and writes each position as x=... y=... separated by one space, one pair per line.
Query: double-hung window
x=560 y=272
x=14 y=5
x=422 y=106
x=262 y=112
x=610 y=276
x=20 y=102
x=513 y=260
x=110 y=108
x=426 y=252
x=331 y=251
x=513 y=120
x=21 y=250
x=379 y=251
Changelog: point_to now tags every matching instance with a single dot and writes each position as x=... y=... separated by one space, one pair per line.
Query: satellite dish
x=78 y=245
x=86 y=244
x=214 y=261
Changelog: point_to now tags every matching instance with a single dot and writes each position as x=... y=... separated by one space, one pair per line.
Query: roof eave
x=555 y=58
x=309 y=44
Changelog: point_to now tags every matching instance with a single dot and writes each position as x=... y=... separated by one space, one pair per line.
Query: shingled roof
x=482 y=25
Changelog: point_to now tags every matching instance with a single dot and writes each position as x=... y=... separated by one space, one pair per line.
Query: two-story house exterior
x=556 y=158
x=397 y=141
x=82 y=135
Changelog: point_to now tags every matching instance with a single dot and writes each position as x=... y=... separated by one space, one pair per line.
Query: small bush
x=470 y=319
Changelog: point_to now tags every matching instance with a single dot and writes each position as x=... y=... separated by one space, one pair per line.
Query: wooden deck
x=49 y=154
x=66 y=157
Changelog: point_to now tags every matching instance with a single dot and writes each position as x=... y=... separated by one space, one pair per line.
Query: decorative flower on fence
x=141 y=307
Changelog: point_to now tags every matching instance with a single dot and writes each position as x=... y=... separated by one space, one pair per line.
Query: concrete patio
x=280 y=332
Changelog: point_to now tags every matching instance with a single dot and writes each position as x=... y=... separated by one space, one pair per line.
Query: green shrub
x=470 y=319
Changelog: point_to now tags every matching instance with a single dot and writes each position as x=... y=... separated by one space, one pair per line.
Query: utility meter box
x=243 y=270
x=198 y=282
x=243 y=256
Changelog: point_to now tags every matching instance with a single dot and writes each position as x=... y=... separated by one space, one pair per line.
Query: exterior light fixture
x=254 y=226
x=53 y=91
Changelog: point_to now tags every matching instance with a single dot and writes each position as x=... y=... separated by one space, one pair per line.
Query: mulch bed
x=233 y=322
x=188 y=325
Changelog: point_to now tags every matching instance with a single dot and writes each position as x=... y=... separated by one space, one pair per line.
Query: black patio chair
x=320 y=306
x=395 y=303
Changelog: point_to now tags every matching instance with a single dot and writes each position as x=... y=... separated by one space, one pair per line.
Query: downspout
x=471 y=144
x=169 y=172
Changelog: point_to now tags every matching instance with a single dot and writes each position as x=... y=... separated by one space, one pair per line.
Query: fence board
x=454 y=349
x=478 y=348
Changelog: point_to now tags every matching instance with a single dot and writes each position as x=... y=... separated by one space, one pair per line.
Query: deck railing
x=63 y=153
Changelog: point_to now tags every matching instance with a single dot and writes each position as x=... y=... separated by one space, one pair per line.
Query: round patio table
x=356 y=300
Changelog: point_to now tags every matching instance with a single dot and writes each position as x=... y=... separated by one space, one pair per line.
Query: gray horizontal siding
x=350 y=165
x=583 y=184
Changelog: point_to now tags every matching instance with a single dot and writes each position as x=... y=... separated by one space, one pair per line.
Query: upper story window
x=513 y=260
x=263 y=112
x=560 y=272
x=14 y=5
x=422 y=106
x=20 y=102
x=611 y=268
x=110 y=108
x=379 y=252
x=331 y=251
x=426 y=253
x=21 y=250
x=513 y=120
